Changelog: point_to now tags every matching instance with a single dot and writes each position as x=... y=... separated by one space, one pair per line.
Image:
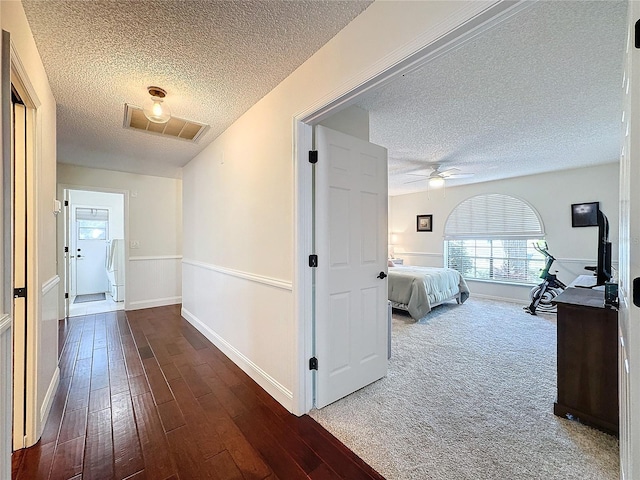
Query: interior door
x=629 y=313
x=91 y=230
x=350 y=284
x=19 y=145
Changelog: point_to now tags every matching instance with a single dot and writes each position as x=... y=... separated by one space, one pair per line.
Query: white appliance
x=115 y=268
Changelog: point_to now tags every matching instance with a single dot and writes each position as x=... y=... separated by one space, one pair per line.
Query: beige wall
x=551 y=194
x=153 y=219
x=43 y=323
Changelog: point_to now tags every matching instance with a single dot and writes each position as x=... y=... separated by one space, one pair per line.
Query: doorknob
x=382 y=276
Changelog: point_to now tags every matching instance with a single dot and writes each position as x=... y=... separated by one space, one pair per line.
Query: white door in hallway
x=351 y=244
x=91 y=228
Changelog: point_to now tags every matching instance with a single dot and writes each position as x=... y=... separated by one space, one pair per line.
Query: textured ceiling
x=214 y=58
x=539 y=92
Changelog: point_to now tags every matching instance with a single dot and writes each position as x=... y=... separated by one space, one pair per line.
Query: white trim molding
x=5 y=323
x=156 y=302
x=49 y=397
x=156 y=257
x=50 y=284
x=266 y=381
x=273 y=282
x=420 y=254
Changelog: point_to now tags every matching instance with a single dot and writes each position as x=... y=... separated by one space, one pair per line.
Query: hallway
x=145 y=395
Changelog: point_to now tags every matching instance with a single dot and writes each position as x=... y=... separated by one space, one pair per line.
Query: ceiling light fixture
x=436 y=182
x=154 y=108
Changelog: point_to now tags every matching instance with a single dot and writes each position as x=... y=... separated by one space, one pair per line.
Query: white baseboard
x=262 y=378
x=48 y=399
x=156 y=302
x=500 y=299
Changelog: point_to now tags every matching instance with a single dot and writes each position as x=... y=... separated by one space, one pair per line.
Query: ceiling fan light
x=155 y=108
x=436 y=182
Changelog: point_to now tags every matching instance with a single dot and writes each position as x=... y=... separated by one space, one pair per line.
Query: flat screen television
x=603 y=269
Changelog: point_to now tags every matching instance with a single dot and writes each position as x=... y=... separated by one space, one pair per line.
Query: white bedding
x=418 y=289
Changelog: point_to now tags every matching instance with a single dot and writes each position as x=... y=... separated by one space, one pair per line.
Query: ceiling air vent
x=175 y=128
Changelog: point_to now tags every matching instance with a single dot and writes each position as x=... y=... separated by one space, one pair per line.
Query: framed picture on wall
x=424 y=223
x=584 y=214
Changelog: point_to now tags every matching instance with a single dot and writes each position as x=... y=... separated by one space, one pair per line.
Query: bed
x=418 y=289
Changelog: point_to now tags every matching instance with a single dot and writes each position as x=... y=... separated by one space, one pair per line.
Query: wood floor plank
x=99 y=399
x=68 y=459
x=74 y=424
x=98 y=457
x=278 y=458
x=188 y=460
x=131 y=357
x=208 y=442
x=155 y=448
x=224 y=468
x=159 y=386
x=171 y=415
x=139 y=385
x=126 y=445
x=246 y=458
x=100 y=369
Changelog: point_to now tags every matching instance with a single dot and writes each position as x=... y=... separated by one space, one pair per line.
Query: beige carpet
x=469 y=395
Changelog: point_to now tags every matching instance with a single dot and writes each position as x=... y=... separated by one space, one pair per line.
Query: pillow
x=390 y=263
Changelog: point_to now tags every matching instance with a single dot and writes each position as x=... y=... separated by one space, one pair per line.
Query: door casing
x=406 y=59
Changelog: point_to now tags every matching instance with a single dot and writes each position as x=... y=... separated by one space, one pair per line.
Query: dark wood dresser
x=587 y=359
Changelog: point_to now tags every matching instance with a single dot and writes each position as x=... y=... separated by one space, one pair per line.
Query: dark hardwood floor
x=143 y=395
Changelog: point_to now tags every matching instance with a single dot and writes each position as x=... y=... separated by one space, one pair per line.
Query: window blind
x=95 y=214
x=493 y=216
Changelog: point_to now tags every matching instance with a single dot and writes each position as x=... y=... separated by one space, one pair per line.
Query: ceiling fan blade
x=417 y=175
x=448 y=172
x=460 y=175
x=415 y=181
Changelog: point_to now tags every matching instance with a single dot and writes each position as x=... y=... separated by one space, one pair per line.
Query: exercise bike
x=542 y=295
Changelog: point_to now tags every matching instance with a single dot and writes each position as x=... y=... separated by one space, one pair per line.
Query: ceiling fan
x=437 y=177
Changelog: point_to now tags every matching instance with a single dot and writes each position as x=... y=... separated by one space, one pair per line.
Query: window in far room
x=491 y=237
x=92 y=223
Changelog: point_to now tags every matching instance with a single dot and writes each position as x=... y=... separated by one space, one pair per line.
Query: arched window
x=491 y=237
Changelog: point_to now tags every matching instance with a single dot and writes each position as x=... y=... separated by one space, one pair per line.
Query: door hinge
x=66 y=295
x=66 y=249
x=66 y=203
x=20 y=292
x=313 y=363
x=313 y=156
x=313 y=261
x=637 y=34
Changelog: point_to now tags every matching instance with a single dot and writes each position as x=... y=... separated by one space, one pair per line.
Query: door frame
x=20 y=81
x=63 y=234
x=73 y=239
x=475 y=19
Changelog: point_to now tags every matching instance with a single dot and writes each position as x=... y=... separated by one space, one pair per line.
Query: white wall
x=44 y=327
x=113 y=202
x=353 y=121
x=153 y=219
x=239 y=195
x=551 y=194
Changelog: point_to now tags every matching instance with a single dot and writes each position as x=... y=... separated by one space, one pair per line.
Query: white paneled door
x=629 y=313
x=350 y=283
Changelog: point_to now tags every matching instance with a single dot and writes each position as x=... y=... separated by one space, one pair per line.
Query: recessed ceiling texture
x=538 y=92
x=215 y=59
